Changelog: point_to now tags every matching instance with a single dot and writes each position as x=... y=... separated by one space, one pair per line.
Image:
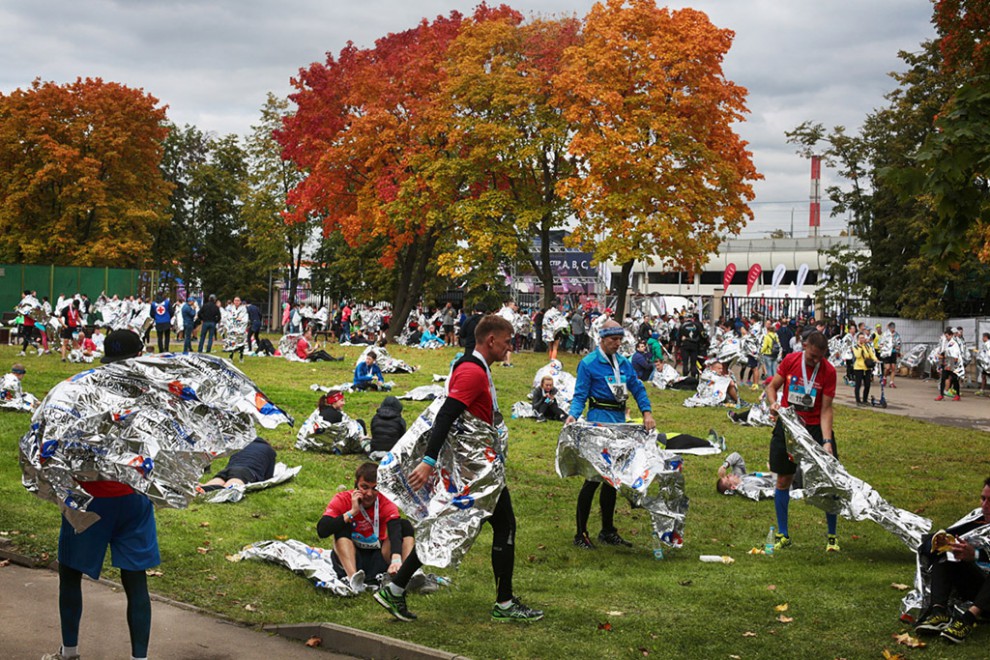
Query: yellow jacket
x=862 y=352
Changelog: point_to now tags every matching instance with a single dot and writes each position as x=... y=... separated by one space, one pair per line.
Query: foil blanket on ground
x=626 y=456
x=665 y=377
x=343 y=437
x=154 y=423
x=312 y=563
x=236 y=493
x=449 y=510
x=13 y=397
x=830 y=487
x=385 y=362
x=423 y=393
x=713 y=390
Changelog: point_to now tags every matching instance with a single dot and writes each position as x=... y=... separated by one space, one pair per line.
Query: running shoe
x=59 y=656
x=516 y=612
x=956 y=398
x=583 y=541
x=934 y=623
x=957 y=631
x=832 y=544
x=939 y=397
x=613 y=538
x=396 y=605
x=782 y=542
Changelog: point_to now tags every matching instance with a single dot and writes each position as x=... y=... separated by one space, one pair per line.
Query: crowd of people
x=796 y=359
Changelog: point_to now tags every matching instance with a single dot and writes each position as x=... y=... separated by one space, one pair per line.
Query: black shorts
x=448 y=329
x=890 y=359
x=372 y=562
x=780 y=460
x=243 y=474
x=66 y=332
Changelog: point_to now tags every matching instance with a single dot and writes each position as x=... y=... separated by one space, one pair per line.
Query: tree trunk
x=621 y=289
x=410 y=284
x=545 y=271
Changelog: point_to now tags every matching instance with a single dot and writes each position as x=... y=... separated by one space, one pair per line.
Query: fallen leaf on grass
x=204 y=524
x=780 y=608
x=771 y=587
x=233 y=558
x=785 y=619
x=899 y=586
x=250 y=608
x=313 y=642
x=44 y=556
x=757 y=551
x=607 y=627
x=202 y=551
x=644 y=651
x=906 y=640
x=541 y=547
x=887 y=655
x=531 y=558
x=686 y=583
x=281 y=537
x=206 y=543
x=749 y=633
x=5 y=562
x=855 y=537
x=615 y=613
x=154 y=573
x=735 y=657
x=211 y=578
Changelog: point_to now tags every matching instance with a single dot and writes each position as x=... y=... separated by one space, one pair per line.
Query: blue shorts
x=126 y=524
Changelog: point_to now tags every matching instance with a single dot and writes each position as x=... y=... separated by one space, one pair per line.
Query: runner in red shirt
x=364 y=524
x=808 y=382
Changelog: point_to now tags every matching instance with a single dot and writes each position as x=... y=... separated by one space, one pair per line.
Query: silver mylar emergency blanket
x=713 y=390
x=626 y=456
x=385 y=362
x=840 y=350
x=315 y=564
x=886 y=347
x=983 y=357
x=233 y=327
x=343 y=437
x=665 y=377
x=153 y=422
x=236 y=493
x=914 y=357
x=554 y=321
x=287 y=347
x=563 y=381
x=730 y=351
x=761 y=486
x=13 y=397
x=423 y=393
x=523 y=410
x=918 y=599
x=830 y=487
x=469 y=477
x=758 y=415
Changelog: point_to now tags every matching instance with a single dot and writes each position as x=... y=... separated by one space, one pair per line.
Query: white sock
x=136 y=658
x=506 y=605
x=70 y=651
x=396 y=589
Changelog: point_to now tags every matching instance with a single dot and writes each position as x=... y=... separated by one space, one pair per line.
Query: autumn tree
x=79 y=177
x=512 y=139
x=277 y=244
x=371 y=132
x=662 y=173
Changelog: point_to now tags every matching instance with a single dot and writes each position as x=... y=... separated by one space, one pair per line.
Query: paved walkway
x=915 y=398
x=29 y=626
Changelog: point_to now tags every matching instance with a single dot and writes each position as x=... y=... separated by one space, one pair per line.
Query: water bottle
x=768 y=546
x=657 y=547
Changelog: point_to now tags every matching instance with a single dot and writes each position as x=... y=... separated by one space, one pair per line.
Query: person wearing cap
x=605 y=379
x=126 y=525
x=12 y=395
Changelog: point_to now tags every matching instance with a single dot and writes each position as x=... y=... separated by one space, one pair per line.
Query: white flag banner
x=778 y=277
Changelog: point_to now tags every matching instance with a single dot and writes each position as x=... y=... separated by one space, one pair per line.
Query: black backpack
x=775 y=349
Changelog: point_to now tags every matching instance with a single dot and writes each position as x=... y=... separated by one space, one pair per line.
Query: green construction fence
x=53 y=281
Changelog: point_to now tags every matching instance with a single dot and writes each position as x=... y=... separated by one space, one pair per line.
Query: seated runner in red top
x=809 y=387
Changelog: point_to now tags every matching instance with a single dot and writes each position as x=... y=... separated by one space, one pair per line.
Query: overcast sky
x=213 y=61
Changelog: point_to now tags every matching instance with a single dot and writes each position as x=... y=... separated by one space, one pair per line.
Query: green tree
x=275 y=242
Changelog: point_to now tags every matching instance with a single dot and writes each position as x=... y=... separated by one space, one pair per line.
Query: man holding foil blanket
x=109 y=443
x=605 y=380
x=460 y=484
x=808 y=382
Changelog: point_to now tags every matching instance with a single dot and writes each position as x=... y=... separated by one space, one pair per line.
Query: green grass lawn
x=841 y=605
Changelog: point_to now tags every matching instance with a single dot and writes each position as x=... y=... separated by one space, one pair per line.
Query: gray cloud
x=213 y=62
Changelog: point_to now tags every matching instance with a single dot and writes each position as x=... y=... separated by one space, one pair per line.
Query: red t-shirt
x=105 y=488
x=301 y=348
x=791 y=371
x=469 y=385
x=387 y=511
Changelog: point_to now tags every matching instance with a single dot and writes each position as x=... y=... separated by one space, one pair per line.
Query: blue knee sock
x=135 y=585
x=70 y=603
x=781 y=500
x=831 y=519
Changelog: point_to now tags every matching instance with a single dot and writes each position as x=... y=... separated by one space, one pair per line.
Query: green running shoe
x=782 y=542
x=516 y=612
x=832 y=545
x=396 y=605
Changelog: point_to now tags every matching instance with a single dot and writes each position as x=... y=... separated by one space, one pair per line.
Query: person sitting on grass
x=370 y=538
x=368 y=375
x=958 y=574
x=314 y=354
x=331 y=407
x=387 y=426
x=253 y=463
x=544 y=401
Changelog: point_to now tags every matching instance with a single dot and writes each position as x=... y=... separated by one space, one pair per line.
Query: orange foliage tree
x=662 y=173
x=79 y=174
x=511 y=139
x=371 y=132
